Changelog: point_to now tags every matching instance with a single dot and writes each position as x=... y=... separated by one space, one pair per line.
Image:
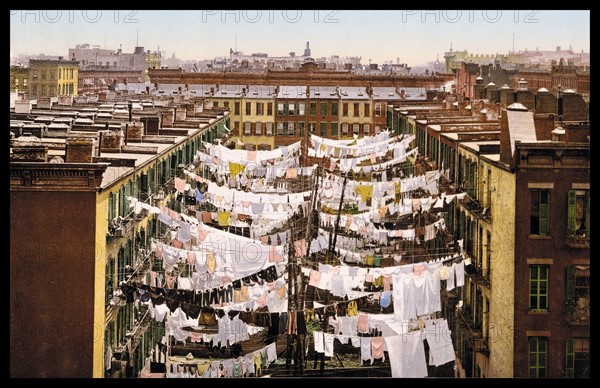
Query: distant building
x=19 y=76
x=95 y=58
x=51 y=78
x=537 y=58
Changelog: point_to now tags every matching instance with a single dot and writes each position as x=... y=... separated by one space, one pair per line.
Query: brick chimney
x=28 y=148
x=111 y=141
x=80 y=150
x=133 y=131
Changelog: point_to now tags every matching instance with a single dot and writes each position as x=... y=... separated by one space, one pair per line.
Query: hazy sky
x=413 y=36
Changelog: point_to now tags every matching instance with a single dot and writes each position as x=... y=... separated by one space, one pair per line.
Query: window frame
x=541 y=214
x=536 y=281
x=534 y=349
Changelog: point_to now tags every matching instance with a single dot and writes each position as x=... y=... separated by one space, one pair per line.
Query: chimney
x=522 y=84
x=111 y=141
x=28 y=148
x=558 y=133
x=80 y=150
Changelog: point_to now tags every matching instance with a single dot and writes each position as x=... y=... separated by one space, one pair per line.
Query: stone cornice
x=32 y=176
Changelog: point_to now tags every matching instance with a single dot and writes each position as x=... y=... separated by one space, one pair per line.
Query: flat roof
x=474 y=145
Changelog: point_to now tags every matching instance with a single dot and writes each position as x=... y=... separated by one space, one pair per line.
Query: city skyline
x=412 y=37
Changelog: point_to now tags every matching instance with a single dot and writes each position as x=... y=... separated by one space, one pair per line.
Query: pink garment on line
x=180 y=184
x=377 y=344
x=191 y=259
x=274 y=257
x=300 y=247
x=314 y=278
x=177 y=244
x=202 y=233
x=363 y=323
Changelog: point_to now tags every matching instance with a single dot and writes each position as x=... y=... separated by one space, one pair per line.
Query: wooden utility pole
x=332 y=242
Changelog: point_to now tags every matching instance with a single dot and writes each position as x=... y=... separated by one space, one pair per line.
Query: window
x=258 y=129
x=110 y=273
x=367 y=110
x=538 y=287
x=334 y=108
x=355 y=129
x=313 y=108
x=236 y=108
x=323 y=109
x=377 y=129
x=323 y=129
x=236 y=125
x=488 y=258
x=279 y=129
x=578 y=357
x=71 y=73
x=578 y=293
x=578 y=212
x=344 y=129
x=540 y=200
x=259 y=108
x=378 y=110
x=43 y=75
x=367 y=129
x=311 y=127
x=269 y=109
x=59 y=73
x=345 y=109
x=269 y=129
x=334 y=129
x=291 y=109
x=355 y=109
x=112 y=207
x=226 y=104
x=301 y=109
x=538 y=352
x=247 y=128
x=285 y=129
x=479 y=258
x=301 y=128
x=216 y=104
x=280 y=109
x=143 y=187
x=248 y=108
x=291 y=129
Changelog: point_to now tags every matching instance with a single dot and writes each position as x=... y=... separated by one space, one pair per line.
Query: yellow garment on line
x=382 y=211
x=223 y=218
x=378 y=282
x=211 y=262
x=235 y=168
x=365 y=192
x=352 y=308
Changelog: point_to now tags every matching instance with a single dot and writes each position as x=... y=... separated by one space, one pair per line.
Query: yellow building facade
x=486 y=221
x=51 y=78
